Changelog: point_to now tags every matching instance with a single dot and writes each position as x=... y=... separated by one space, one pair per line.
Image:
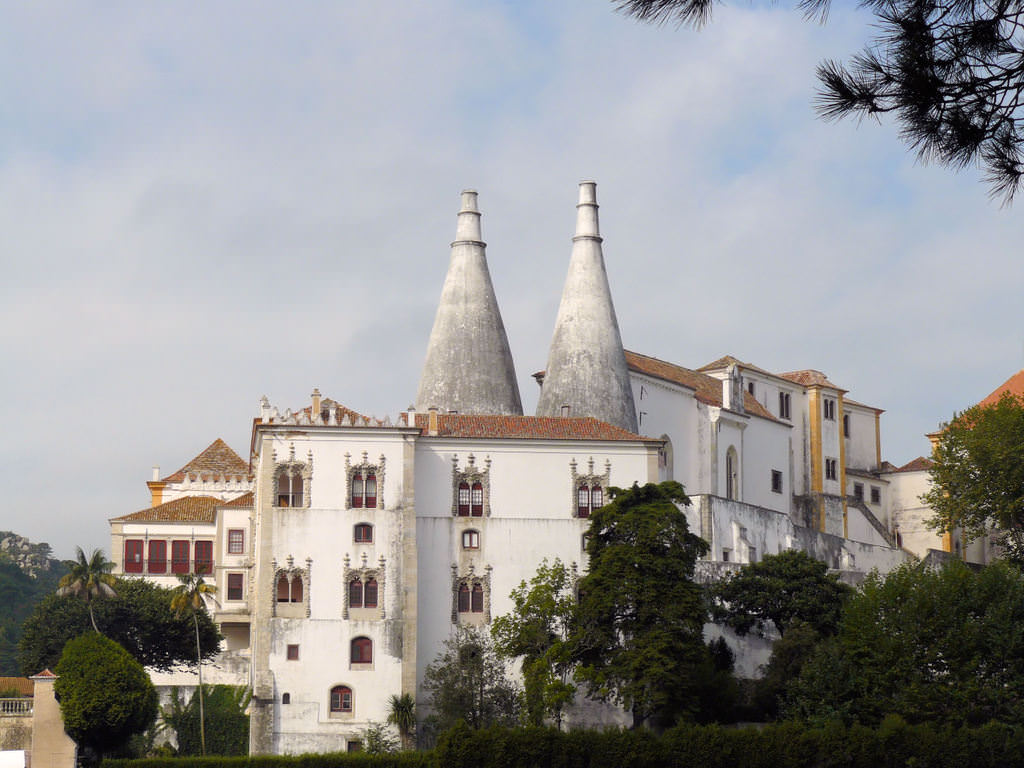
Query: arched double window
x=290 y=488
x=362 y=594
x=471 y=499
x=289 y=590
x=341 y=699
x=364 y=490
x=471 y=598
x=361 y=651
x=589 y=498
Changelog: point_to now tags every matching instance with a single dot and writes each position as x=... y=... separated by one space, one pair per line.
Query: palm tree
x=190 y=600
x=402 y=714
x=89 y=579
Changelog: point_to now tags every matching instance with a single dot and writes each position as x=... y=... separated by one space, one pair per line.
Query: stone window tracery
x=590 y=490
x=363 y=590
x=471 y=488
x=471 y=596
x=290 y=597
x=292 y=479
x=364 y=483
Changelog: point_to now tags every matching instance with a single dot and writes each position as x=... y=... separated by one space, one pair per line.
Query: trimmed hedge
x=894 y=744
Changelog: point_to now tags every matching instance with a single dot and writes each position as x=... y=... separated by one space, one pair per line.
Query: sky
x=204 y=203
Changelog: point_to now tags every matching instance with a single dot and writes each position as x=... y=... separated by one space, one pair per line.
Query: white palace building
x=345 y=549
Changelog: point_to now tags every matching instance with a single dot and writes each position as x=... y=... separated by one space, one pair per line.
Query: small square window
x=236 y=586
x=858 y=491
x=471 y=540
x=293 y=652
x=876 y=494
x=236 y=541
x=750 y=387
x=363 y=533
x=831 y=472
x=726 y=554
x=776 y=481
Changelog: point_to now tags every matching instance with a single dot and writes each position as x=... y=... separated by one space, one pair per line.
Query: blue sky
x=204 y=204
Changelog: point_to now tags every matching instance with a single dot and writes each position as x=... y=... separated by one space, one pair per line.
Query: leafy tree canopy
x=978 y=474
x=778 y=590
x=949 y=71
x=939 y=646
x=19 y=593
x=537 y=630
x=227 y=725
x=105 y=695
x=467 y=682
x=89 y=579
x=638 y=636
x=139 y=619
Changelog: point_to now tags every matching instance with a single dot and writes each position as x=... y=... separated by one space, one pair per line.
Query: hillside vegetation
x=27 y=574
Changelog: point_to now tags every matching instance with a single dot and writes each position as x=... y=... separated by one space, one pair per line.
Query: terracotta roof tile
x=727 y=360
x=524 y=427
x=45 y=673
x=22 y=685
x=708 y=388
x=810 y=378
x=245 y=501
x=848 y=401
x=1014 y=385
x=218 y=459
x=187 y=509
x=326 y=402
x=920 y=464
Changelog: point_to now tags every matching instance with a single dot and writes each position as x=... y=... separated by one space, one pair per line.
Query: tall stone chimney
x=469 y=366
x=586 y=369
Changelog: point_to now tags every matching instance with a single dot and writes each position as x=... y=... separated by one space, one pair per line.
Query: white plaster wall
x=673 y=410
x=909 y=513
x=831 y=437
x=859 y=529
x=800 y=448
x=861 y=449
x=766 y=447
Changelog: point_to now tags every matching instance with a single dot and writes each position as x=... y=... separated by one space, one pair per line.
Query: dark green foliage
x=718 y=692
x=19 y=593
x=105 y=695
x=789 y=653
x=949 y=71
x=227 y=725
x=944 y=647
x=537 y=631
x=467 y=682
x=638 y=639
x=978 y=475
x=329 y=760
x=778 y=590
x=138 y=618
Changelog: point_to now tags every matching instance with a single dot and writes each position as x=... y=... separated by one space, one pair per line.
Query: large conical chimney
x=586 y=373
x=469 y=365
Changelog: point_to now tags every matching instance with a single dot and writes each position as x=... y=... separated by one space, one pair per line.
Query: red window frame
x=370 y=593
x=204 y=557
x=341 y=698
x=464 y=495
x=179 y=556
x=471 y=539
x=371 y=491
x=355 y=593
x=133 y=555
x=357 y=490
x=463 y=598
x=236 y=541
x=477 y=500
x=596 y=497
x=477 y=601
x=583 y=501
x=236 y=586
x=292 y=653
x=363 y=533
x=157 y=556
x=361 y=651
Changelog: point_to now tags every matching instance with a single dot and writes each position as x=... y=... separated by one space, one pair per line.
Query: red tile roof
x=708 y=388
x=45 y=673
x=187 y=509
x=218 y=459
x=848 y=401
x=342 y=411
x=245 y=501
x=22 y=685
x=524 y=427
x=920 y=464
x=727 y=360
x=810 y=378
x=1014 y=385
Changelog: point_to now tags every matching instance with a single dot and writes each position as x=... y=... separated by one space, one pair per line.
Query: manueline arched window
x=463 y=598
x=283 y=590
x=357 y=490
x=478 y=599
x=361 y=651
x=370 y=593
x=296 y=590
x=371 y=491
x=477 y=503
x=583 y=501
x=596 y=498
x=355 y=593
x=289 y=488
x=464 y=495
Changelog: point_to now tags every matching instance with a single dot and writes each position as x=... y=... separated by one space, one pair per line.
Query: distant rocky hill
x=27 y=574
x=33 y=559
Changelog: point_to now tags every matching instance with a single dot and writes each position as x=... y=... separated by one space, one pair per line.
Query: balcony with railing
x=20 y=707
x=166 y=567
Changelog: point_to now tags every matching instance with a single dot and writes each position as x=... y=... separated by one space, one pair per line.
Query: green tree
x=190 y=601
x=19 y=593
x=949 y=71
x=138 y=618
x=402 y=715
x=638 y=635
x=940 y=646
x=778 y=590
x=105 y=695
x=978 y=474
x=377 y=740
x=228 y=724
x=789 y=654
x=467 y=681
x=89 y=579
x=537 y=631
